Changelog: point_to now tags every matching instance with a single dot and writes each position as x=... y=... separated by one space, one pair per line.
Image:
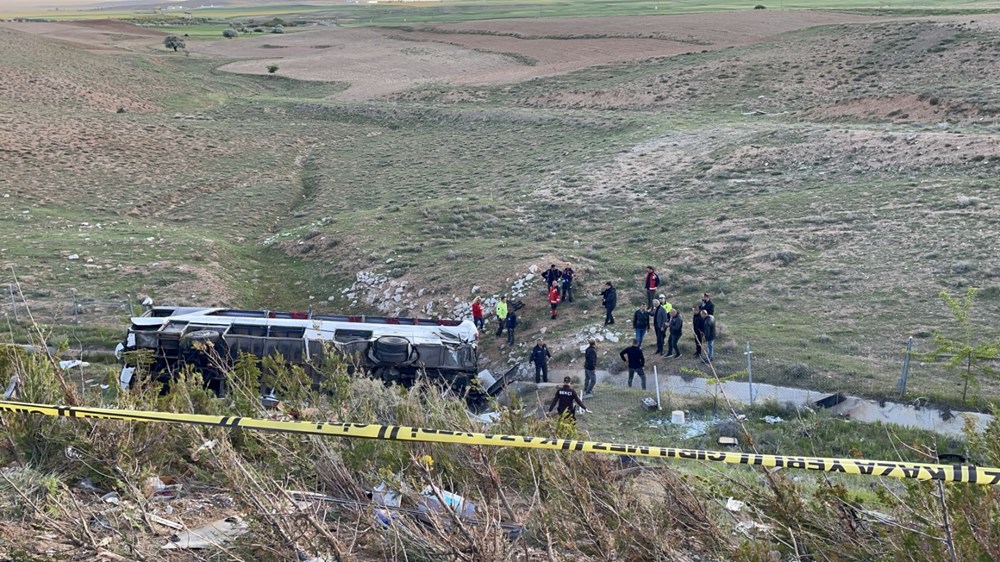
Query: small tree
x=272 y=68
x=230 y=33
x=173 y=42
x=967 y=352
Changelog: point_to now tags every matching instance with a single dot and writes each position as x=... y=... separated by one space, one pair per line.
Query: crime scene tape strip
x=894 y=469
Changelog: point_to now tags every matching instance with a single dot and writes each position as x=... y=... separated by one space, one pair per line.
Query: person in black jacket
x=590 y=369
x=676 y=326
x=610 y=301
x=540 y=357
x=659 y=321
x=706 y=304
x=698 y=323
x=640 y=321
x=552 y=276
x=511 y=324
x=567 y=284
x=567 y=400
x=709 y=328
x=636 y=361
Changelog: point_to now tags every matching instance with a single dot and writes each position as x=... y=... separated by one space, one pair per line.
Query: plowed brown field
x=379 y=62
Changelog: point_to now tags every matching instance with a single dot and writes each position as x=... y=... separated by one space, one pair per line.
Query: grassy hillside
x=825 y=186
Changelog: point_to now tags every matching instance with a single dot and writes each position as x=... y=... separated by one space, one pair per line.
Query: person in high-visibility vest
x=501 y=312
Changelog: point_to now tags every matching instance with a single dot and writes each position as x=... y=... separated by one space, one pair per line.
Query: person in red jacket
x=554 y=299
x=652 y=284
x=477 y=313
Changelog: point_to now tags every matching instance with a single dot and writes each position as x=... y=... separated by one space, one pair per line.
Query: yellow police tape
x=894 y=469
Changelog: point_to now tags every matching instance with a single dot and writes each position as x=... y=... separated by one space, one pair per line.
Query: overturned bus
x=394 y=349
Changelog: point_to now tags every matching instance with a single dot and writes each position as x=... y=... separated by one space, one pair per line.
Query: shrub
x=173 y=42
x=272 y=68
x=277 y=29
x=760 y=7
x=230 y=33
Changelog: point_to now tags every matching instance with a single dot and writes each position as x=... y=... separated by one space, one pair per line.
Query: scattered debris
x=430 y=502
x=111 y=497
x=13 y=388
x=773 y=419
x=732 y=441
x=213 y=534
x=161 y=488
x=73 y=257
x=165 y=522
x=650 y=403
x=735 y=505
x=386 y=497
x=206 y=446
x=64 y=365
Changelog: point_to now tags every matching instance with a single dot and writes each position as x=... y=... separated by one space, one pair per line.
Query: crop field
x=824 y=174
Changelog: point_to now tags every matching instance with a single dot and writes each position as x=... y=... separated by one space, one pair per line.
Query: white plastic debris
x=773 y=419
x=735 y=505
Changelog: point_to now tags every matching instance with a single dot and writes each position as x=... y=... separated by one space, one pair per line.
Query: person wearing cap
x=540 y=357
x=501 y=312
x=636 y=361
x=609 y=298
x=590 y=369
x=659 y=317
x=566 y=398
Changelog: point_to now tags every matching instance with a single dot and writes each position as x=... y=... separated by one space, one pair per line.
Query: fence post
x=13 y=303
x=749 y=373
x=906 y=367
x=656 y=383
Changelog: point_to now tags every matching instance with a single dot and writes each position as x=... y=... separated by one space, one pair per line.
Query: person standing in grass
x=554 y=299
x=567 y=399
x=609 y=298
x=698 y=323
x=709 y=328
x=511 y=325
x=652 y=284
x=676 y=326
x=640 y=321
x=636 y=362
x=567 y=284
x=552 y=276
x=707 y=304
x=540 y=357
x=659 y=317
x=590 y=369
x=477 y=313
x=501 y=312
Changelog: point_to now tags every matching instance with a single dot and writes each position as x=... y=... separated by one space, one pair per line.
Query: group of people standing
x=667 y=325
x=657 y=315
